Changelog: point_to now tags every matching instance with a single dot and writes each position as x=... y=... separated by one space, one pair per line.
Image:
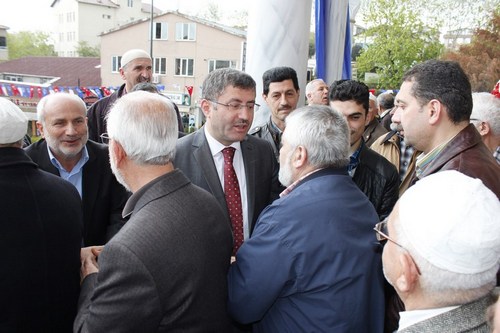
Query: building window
x=185 y=31
x=3 y=42
x=160 y=66
x=216 y=64
x=184 y=67
x=130 y=3
x=161 y=30
x=115 y=64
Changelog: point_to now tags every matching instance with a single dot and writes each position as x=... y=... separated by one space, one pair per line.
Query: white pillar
x=278 y=35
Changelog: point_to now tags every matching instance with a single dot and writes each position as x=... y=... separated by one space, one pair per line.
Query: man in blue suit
x=311 y=264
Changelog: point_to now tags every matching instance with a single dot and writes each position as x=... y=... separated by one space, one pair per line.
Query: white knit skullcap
x=13 y=122
x=132 y=55
x=453 y=221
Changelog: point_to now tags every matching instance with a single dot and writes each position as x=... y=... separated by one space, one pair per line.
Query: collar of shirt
x=76 y=174
x=408 y=318
x=290 y=188
x=496 y=154
x=354 y=160
x=423 y=160
x=216 y=146
x=239 y=167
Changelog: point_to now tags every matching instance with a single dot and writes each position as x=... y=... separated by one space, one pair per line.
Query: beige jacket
x=388 y=146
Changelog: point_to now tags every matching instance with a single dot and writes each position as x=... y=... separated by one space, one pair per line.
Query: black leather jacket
x=378 y=179
x=269 y=133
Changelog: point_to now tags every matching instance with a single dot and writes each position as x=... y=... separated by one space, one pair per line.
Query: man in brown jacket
x=433 y=107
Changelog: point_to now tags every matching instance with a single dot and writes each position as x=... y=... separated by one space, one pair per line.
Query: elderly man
x=385 y=103
x=281 y=93
x=374 y=175
x=443 y=266
x=65 y=151
x=434 y=106
x=135 y=67
x=238 y=169
x=40 y=237
x=374 y=128
x=317 y=92
x=310 y=265
x=165 y=271
x=486 y=117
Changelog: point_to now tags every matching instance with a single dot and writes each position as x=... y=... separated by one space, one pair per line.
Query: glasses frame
x=240 y=106
x=382 y=237
x=105 y=138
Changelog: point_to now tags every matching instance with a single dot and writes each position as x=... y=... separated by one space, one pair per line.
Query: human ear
x=407 y=280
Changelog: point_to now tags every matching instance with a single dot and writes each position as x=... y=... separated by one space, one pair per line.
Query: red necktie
x=233 y=198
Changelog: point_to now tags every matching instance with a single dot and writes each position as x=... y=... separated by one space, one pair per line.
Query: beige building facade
x=185 y=50
x=85 y=20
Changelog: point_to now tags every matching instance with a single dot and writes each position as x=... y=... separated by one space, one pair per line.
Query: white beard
x=285 y=175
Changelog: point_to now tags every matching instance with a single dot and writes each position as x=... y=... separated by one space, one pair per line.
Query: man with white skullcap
x=40 y=237
x=135 y=67
x=442 y=253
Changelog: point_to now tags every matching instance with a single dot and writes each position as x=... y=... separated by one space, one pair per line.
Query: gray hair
x=145 y=125
x=486 y=107
x=310 y=85
x=445 y=288
x=386 y=100
x=217 y=81
x=323 y=132
x=40 y=107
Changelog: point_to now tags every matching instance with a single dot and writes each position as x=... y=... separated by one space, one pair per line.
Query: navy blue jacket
x=313 y=263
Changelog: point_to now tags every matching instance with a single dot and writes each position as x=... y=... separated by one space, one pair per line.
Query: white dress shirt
x=239 y=167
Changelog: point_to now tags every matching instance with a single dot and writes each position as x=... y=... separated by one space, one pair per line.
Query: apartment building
x=85 y=20
x=185 y=50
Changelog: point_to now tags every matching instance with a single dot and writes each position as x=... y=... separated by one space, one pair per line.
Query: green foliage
x=398 y=39
x=85 y=50
x=27 y=43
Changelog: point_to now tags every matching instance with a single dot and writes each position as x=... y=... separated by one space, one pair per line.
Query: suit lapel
x=203 y=157
x=43 y=160
x=91 y=178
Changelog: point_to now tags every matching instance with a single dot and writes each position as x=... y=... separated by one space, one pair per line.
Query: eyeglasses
x=381 y=232
x=105 y=138
x=234 y=107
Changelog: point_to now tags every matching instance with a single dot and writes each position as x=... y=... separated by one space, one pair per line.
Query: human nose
x=396 y=117
x=71 y=129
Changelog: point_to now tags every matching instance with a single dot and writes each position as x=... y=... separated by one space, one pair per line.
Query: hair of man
x=279 y=74
x=444 y=81
x=350 y=90
x=323 y=132
x=145 y=125
x=40 y=108
x=216 y=82
x=486 y=108
x=386 y=100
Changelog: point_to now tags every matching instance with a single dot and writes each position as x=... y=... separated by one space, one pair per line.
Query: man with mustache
x=135 y=67
x=245 y=182
x=65 y=151
x=281 y=93
x=374 y=175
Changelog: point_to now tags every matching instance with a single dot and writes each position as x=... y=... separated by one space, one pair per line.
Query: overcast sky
x=36 y=15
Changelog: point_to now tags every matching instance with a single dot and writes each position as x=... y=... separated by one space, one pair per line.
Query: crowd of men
x=115 y=221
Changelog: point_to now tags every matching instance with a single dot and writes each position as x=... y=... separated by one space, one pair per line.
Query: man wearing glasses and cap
x=443 y=260
x=135 y=67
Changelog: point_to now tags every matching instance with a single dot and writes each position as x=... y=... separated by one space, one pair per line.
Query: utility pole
x=151 y=33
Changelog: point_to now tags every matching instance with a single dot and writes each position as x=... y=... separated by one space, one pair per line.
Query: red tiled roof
x=68 y=69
